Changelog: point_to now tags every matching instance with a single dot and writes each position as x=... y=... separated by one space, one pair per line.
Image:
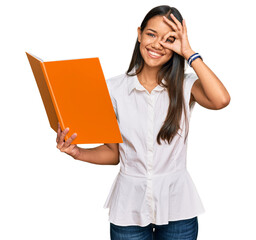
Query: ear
x=139 y=34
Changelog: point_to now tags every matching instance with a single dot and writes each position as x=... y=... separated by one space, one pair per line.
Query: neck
x=148 y=75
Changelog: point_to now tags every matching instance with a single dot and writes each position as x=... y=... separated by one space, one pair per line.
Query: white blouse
x=153 y=184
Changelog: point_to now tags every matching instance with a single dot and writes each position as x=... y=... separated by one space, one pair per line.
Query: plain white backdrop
x=46 y=194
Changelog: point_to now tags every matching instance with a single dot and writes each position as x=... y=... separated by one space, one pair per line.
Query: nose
x=156 y=44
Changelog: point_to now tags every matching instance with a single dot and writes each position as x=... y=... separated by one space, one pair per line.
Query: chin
x=154 y=64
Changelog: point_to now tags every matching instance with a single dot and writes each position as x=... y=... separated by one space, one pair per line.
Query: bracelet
x=194 y=57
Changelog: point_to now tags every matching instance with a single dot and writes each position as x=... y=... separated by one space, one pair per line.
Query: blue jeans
x=176 y=230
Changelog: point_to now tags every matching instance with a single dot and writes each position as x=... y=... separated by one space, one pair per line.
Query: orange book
x=75 y=94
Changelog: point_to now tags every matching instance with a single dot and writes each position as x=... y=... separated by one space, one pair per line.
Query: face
x=153 y=53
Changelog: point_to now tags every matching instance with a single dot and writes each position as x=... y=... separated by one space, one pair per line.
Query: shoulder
x=116 y=83
x=116 y=79
x=190 y=78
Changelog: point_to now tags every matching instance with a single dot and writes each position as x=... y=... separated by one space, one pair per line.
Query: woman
x=153 y=195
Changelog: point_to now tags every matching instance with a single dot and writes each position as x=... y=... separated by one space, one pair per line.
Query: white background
x=46 y=194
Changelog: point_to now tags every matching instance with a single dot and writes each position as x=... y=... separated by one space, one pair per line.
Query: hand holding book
x=66 y=146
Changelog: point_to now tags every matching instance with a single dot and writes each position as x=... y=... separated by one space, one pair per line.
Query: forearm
x=214 y=89
x=102 y=155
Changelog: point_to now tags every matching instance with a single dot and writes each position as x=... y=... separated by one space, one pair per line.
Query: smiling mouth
x=153 y=54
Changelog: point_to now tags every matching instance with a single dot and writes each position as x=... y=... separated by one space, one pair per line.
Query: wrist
x=188 y=53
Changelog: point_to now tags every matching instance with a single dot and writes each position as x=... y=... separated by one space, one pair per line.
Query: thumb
x=166 y=45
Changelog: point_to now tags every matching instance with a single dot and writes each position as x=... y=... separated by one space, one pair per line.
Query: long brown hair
x=172 y=71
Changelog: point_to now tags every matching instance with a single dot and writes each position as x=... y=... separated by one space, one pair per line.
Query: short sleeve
x=190 y=78
x=113 y=100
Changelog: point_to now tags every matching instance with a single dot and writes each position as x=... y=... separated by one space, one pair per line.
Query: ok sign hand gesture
x=181 y=44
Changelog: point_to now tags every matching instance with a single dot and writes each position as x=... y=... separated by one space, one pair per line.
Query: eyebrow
x=152 y=30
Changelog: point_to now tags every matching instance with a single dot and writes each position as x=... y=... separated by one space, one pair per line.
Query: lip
x=153 y=56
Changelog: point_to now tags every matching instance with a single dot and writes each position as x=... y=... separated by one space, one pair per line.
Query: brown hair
x=172 y=71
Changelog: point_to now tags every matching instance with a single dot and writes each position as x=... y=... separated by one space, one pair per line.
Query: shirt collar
x=133 y=82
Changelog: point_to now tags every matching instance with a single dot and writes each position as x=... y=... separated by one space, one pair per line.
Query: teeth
x=153 y=53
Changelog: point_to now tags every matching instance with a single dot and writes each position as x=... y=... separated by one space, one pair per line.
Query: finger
x=166 y=45
x=60 y=145
x=58 y=132
x=176 y=21
x=62 y=136
x=172 y=24
x=70 y=140
x=171 y=36
x=67 y=147
x=184 y=26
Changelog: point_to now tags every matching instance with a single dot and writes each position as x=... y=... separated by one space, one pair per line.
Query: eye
x=150 y=34
x=170 y=40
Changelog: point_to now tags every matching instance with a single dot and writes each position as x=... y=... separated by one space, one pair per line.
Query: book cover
x=75 y=94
